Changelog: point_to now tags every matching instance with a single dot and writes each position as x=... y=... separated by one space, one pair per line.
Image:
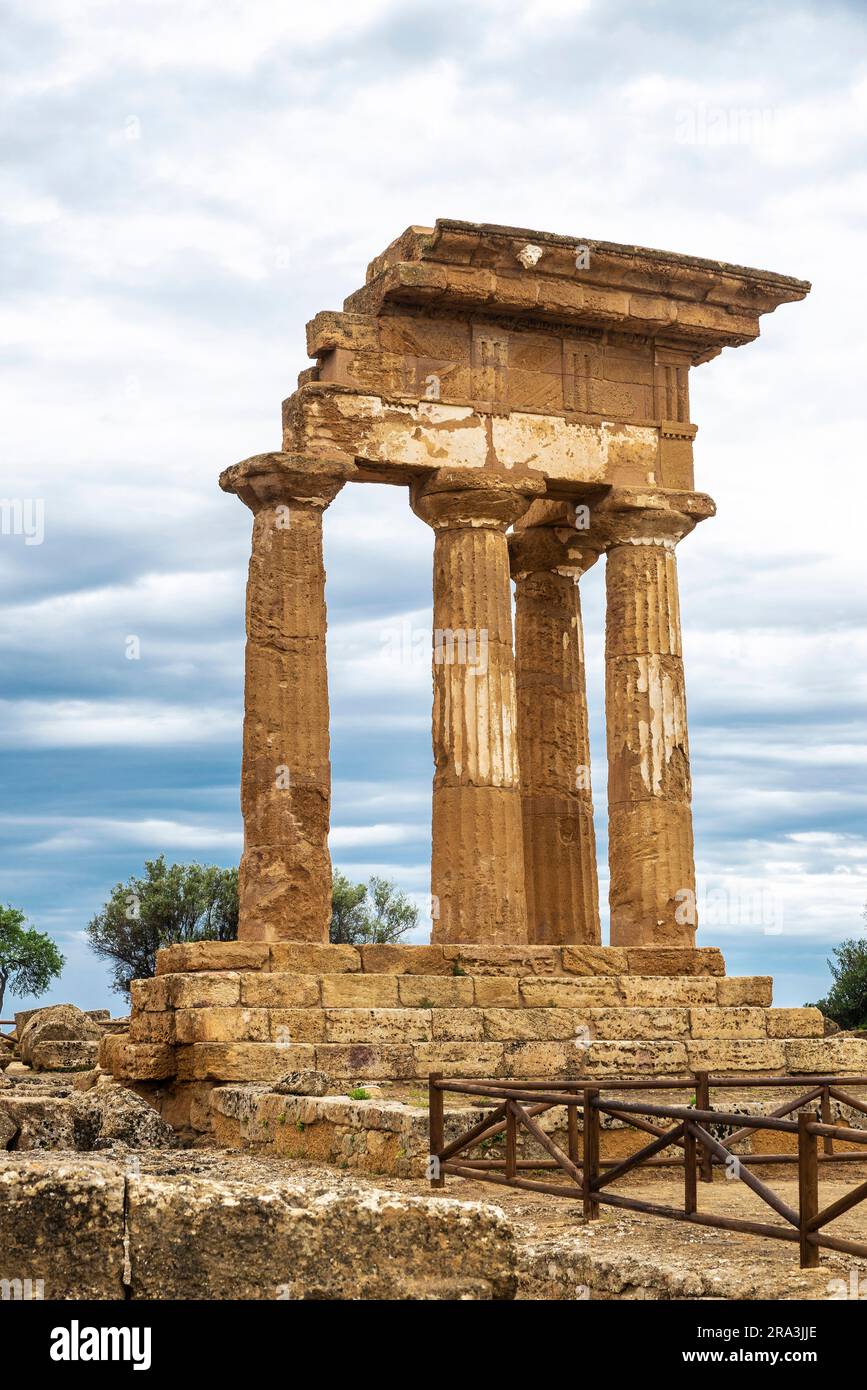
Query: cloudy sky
x=186 y=182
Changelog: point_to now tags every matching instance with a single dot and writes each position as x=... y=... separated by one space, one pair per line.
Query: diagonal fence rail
x=583 y=1175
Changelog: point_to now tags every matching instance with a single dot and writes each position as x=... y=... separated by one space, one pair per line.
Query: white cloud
x=110 y=723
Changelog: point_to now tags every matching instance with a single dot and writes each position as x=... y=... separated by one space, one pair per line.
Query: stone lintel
x=393 y=439
x=686 y=299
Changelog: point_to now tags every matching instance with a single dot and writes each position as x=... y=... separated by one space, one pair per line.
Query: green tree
x=369 y=914
x=846 y=1001
x=29 y=960
x=172 y=903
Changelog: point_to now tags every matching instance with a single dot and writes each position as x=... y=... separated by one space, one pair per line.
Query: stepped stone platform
x=219 y=1012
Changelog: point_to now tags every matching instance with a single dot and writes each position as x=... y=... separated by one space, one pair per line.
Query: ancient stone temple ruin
x=531 y=393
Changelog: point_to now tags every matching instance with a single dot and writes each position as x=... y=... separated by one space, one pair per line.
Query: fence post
x=827 y=1119
x=690 y=1172
x=572 y=1133
x=591 y=1152
x=511 y=1141
x=436 y=1128
x=702 y=1102
x=808 y=1187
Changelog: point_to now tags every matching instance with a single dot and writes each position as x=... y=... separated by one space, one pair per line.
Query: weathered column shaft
x=285 y=875
x=477 y=867
x=650 y=838
x=553 y=739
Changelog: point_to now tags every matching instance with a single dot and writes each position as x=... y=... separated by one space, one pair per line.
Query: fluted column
x=477 y=865
x=650 y=839
x=548 y=556
x=285 y=875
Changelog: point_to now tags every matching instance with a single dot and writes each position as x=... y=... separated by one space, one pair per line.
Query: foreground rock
x=66 y=1222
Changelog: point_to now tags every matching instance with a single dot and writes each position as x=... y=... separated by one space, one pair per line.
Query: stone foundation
x=252 y=1012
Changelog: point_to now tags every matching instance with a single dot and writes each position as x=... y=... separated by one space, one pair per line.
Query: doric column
x=650 y=842
x=477 y=866
x=285 y=876
x=548 y=556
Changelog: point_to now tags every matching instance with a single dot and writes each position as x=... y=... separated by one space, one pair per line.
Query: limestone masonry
x=531 y=393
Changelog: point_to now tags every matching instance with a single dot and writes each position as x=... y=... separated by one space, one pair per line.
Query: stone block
x=580 y=993
x=736 y=1054
x=728 y=1023
x=222 y=1025
x=366 y=1061
x=795 y=1023
x=496 y=992
x=202 y=991
x=149 y=994
x=131 y=1061
x=377 y=1025
x=243 y=1061
x=62 y=1222
x=594 y=960
x=41 y=1122
x=457 y=1025
x=637 y=1024
x=675 y=960
x=459 y=1059
x=635 y=1059
x=826 y=1056
x=56 y=1023
x=666 y=990
x=404 y=960
x=283 y=1236
x=297 y=1025
x=280 y=991
x=745 y=989
x=64 y=1054
x=212 y=955
x=153 y=1027
x=359 y=991
x=504 y=960
x=308 y=958
x=436 y=991
x=523 y=1025
x=537 y=1059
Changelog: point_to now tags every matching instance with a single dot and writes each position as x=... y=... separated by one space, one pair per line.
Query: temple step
x=308 y=958
x=347 y=1063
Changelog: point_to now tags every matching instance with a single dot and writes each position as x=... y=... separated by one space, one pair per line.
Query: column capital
x=461 y=498
x=640 y=516
x=269 y=480
x=546 y=539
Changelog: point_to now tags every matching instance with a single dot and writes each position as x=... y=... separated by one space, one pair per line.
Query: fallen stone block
x=290 y=1242
x=64 y=1055
x=62 y=1223
x=41 y=1122
x=58 y=1023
